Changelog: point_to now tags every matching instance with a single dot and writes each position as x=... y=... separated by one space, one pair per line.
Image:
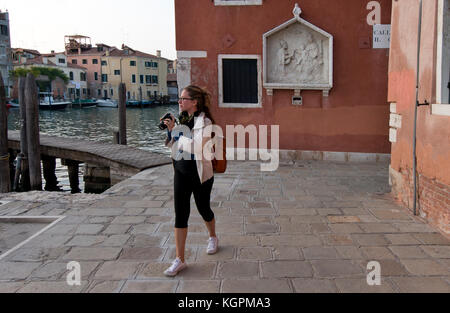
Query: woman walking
x=193 y=174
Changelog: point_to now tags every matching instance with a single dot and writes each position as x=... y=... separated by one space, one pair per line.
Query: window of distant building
x=112 y=92
x=154 y=79
x=84 y=91
x=74 y=61
x=141 y=79
x=240 y=81
x=94 y=61
x=442 y=106
x=4 y=30
x=99 y=92
x=83 y=77
x=62 y=61
x=237 y=2
x=116 y=72
x=95 y=76
x=151 y=64
x=85 y=61
x=132 y=63
x=148 y=79
x=104 y=63
x=104 y=78
x=133 y=79
x=71 y=75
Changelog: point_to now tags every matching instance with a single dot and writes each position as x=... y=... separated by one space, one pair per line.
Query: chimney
x=53 y=51
x=158 y=53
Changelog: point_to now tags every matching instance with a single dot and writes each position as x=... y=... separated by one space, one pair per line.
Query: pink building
x=80 y=51
x=432 y=125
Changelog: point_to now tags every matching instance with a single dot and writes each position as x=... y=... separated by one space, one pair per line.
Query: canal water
x=98 y=124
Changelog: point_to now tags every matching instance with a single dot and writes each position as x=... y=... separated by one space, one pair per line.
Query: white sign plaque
x=381 y=36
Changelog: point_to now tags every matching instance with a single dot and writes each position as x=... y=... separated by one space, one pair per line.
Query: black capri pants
x=186 y=184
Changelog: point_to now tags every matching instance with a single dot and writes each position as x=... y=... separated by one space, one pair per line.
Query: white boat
x=47 y=103
x=107 y=103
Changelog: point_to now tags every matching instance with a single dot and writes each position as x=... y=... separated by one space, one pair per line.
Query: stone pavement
x=309 y=227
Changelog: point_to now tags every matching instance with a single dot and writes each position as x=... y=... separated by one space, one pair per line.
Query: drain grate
x=16 y=231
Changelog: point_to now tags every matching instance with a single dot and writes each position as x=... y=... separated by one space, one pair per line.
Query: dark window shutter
x=240 y=81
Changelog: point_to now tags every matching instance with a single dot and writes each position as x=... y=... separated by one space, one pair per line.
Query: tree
x=51 y=73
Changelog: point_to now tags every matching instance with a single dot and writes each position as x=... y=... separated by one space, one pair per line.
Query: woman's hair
x=203 y=100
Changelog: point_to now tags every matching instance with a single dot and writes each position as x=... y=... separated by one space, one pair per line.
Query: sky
x=144 y=25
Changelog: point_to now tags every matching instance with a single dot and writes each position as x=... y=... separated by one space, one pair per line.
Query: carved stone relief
x=297 y=55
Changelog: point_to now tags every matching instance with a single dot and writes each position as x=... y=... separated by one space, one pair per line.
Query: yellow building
x=145 y=75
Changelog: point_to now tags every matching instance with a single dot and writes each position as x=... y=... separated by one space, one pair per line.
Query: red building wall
x=355 y=116
x=433 y=131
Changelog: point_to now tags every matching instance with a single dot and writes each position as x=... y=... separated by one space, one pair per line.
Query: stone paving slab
x=310 y=227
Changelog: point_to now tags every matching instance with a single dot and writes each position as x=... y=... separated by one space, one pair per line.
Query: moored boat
x=84 y=103
x=48 y=103
x=133 y=104
x=145 y=103
x=107 y=103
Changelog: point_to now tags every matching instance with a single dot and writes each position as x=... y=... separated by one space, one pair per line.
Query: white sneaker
x=176 y=267
x=213 y=245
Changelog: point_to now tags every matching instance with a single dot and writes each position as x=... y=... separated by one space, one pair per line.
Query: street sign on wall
x=381 y=36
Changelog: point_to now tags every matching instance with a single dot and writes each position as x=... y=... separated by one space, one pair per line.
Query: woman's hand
x=170 y=123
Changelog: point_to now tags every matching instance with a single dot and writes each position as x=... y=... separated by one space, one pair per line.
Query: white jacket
x=204 y=166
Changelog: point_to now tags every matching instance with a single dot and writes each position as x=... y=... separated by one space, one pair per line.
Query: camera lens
x=162 y=125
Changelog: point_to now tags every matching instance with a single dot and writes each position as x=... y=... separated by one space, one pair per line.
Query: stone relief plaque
x=298 y=56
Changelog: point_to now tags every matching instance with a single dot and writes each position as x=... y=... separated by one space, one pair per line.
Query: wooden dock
x=123 y=161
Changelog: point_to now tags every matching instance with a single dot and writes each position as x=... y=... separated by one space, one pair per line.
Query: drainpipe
x=416 y=106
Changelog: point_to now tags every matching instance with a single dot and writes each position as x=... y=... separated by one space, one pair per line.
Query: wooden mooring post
x=5 y=178
x=73 y=168
x=22 y=175
x=122 y=114
x=49 y=167
x=116 y=136
x=32 y=118
x=12 y=173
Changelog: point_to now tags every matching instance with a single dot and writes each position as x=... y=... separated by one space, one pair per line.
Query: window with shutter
x=239 y=81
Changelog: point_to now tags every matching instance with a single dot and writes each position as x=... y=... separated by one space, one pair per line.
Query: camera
x=163 y=126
